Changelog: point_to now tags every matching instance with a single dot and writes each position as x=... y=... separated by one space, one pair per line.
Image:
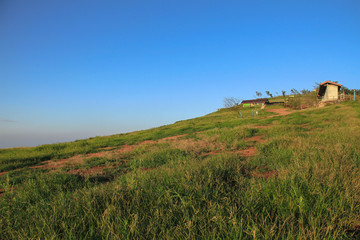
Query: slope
x=218 y=176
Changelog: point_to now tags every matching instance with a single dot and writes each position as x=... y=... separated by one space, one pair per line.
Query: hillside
x=280 y=174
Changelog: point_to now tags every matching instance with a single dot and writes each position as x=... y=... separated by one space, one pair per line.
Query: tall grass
x=184 y=194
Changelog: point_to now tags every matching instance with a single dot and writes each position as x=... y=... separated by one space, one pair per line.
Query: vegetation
x=230 y=102
x=192 y=180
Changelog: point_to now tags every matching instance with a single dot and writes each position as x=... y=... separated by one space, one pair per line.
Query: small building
x=329 y=91
x=255 y=102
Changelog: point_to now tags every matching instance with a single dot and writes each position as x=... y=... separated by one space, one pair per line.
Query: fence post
x=354 y=95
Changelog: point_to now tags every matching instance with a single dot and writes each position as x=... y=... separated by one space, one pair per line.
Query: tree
x=305 y=91
x=268 y=93
x=283 y=93
x=294 y=91
x=230 y=102
x=258 y=94
x=317 y=85
x=350 y=91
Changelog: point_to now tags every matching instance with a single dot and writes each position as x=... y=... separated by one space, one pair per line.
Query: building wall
x=331 y=93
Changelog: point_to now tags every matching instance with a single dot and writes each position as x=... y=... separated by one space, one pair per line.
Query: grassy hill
x=281 y=174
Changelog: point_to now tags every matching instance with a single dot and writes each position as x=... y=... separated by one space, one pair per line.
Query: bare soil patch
x=147 y=169
x=266 y=174
x=255 y=139
x=280 y=112
x=107 y=148
x=251 y=151
x=247 y=152
x=78 y=159
x=173 y=138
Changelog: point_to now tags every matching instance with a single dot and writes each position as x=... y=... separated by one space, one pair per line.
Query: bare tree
x=258 y=94
x=283 y=93
x=231 y=102
x=294 y=91
x=268 y=93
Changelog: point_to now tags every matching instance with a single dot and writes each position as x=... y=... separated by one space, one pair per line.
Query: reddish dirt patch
x=98 y=154
x=280 y=112
x=162 y=140
x=255 y=139
x=107 y=148
x=129 y=148
x=147 y=169
x=126 y=148
x=251 y=151
x=146 y=142
x=247 y=152
x=267 y=173
x=78 y=159
x=61 y=162
x=173 y=138
x=356 y=228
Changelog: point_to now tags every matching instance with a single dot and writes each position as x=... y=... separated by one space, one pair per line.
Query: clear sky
x=76 y=69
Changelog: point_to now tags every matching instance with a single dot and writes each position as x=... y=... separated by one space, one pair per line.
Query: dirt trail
x=79 y=159
x=248 y=152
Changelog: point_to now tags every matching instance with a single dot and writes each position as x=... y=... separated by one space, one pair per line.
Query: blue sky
x=75 y=69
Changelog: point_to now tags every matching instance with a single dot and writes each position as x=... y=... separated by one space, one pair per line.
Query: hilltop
x=279 y=174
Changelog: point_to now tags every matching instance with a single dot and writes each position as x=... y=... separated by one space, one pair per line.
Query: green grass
x=171 y=190
x=14 y=158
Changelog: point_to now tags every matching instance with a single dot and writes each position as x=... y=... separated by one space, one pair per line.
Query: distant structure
x=255 y=102
x=329 y=91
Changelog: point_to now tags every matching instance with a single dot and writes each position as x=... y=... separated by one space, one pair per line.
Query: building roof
x=259 y=100
x=322 y=87
x=332 y=83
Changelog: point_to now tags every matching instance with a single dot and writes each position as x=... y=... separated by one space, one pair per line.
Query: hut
x=329 y=91
x=255 y=102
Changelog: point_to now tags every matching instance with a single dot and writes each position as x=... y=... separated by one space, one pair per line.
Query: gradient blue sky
x=76 y=69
